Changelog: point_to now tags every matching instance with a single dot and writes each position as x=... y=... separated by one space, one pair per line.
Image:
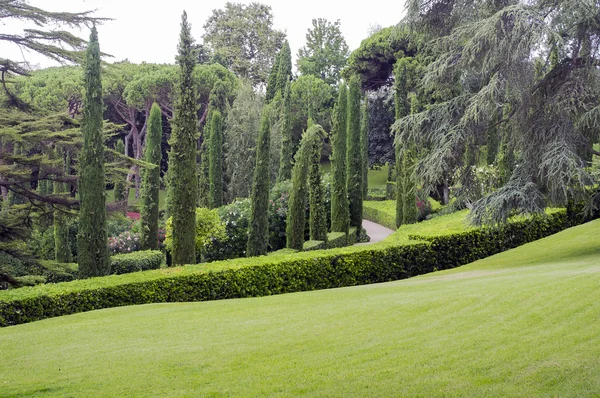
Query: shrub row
x=136 y=261
x=267 y=275
x=378 y=213
x=334 y=240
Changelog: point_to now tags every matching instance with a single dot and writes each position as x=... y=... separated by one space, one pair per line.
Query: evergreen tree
x=296 y=217
x=364 y=147
x=182 y=158
x=258 y=235
x=92 y=241
x=340 y=216
x=62 y=248
x=353 y=155
x=284 y=68
x=119 y=181
x=287 y=144
x=272 y=82
x=151 y=181
x=316 y=192
x=215 y=155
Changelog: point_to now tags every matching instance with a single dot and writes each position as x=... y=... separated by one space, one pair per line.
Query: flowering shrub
x=125 y=242
x=423 y=206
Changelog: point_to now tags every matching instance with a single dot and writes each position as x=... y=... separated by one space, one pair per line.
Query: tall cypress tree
x=272 y=82
x=215 y=155
x=353 y=155
x=316 y=192
x=340 y=217
x=258 y=236
x=62 y=249
x=364 y=147
x=151 y=181
x=296 y=216
x=284 y=72
x=287 y=145
x=92 y=241
x=182 y=158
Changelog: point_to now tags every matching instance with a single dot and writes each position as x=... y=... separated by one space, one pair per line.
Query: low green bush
x=57 y=272
x=136 y=261
x=266 y=275
x=381 y=212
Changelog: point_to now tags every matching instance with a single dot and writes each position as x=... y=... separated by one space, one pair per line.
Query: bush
x=381 y=212
x=138 y=261
x=236 y=218
x=267 y=275
x=57 y=272
x=125 y=242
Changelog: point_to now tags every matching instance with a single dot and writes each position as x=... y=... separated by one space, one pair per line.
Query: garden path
x=375 y=231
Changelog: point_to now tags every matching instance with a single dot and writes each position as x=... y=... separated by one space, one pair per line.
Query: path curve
x=376 y=232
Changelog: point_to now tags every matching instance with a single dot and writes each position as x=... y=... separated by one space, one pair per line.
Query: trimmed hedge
x=381 y=212
x=136 y=261
x=334 y=240
x=381 y=262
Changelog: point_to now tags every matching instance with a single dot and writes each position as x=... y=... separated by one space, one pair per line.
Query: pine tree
x=364 y=147
x=151 y=181
x=316 y=192
x=120 y=191
x=353 y=155
x=215 y=155
x=92 y=241
x=286 y=158
x=258 y=236
x=182 y=158
x=62 y=248
x=340 y=216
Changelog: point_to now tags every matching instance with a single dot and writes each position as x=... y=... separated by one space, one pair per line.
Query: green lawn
x=521 y=323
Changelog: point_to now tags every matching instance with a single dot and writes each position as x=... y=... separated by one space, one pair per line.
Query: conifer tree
x=182 y=158
x=62 y=249
x=284 y=71
x=92 y=241
x=258 y=236
x=215 y=155
x=286 y=158
x=272 y=82
x=353 y=155
x=364 y=147
x=296 y=217
x=340 y=217
x=120 y=193
x=316 y=192
x=151 y=181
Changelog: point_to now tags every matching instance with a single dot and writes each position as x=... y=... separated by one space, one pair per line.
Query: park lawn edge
x=404 y=254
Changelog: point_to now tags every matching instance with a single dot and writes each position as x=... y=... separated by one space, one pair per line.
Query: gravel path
x=375 y=231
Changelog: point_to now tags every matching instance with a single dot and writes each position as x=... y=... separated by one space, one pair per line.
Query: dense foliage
x=151 y=181
x=340 y=217
x=354 y=181
x=92 y=251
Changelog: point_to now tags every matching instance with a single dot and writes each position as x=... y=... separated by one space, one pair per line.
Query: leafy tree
x=120 y=192
x=182 y=159
x=381 y=119
x=215 y=160
x=310 y=97
x=325 y=52
x=151 y=181
x=241 y=131
x=353 y=155
x=242 y=36
x=364 y=146
x=92 y=241
x=374 y=60
x=287 y=145
x=258 y=235
x=340 y=217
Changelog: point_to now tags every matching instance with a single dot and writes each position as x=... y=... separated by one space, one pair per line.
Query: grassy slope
x=521 y=323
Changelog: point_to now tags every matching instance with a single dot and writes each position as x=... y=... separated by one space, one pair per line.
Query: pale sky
x=149 y=30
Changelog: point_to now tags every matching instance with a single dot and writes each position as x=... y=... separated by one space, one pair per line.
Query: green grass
x=521 y=323
x=377 y=178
